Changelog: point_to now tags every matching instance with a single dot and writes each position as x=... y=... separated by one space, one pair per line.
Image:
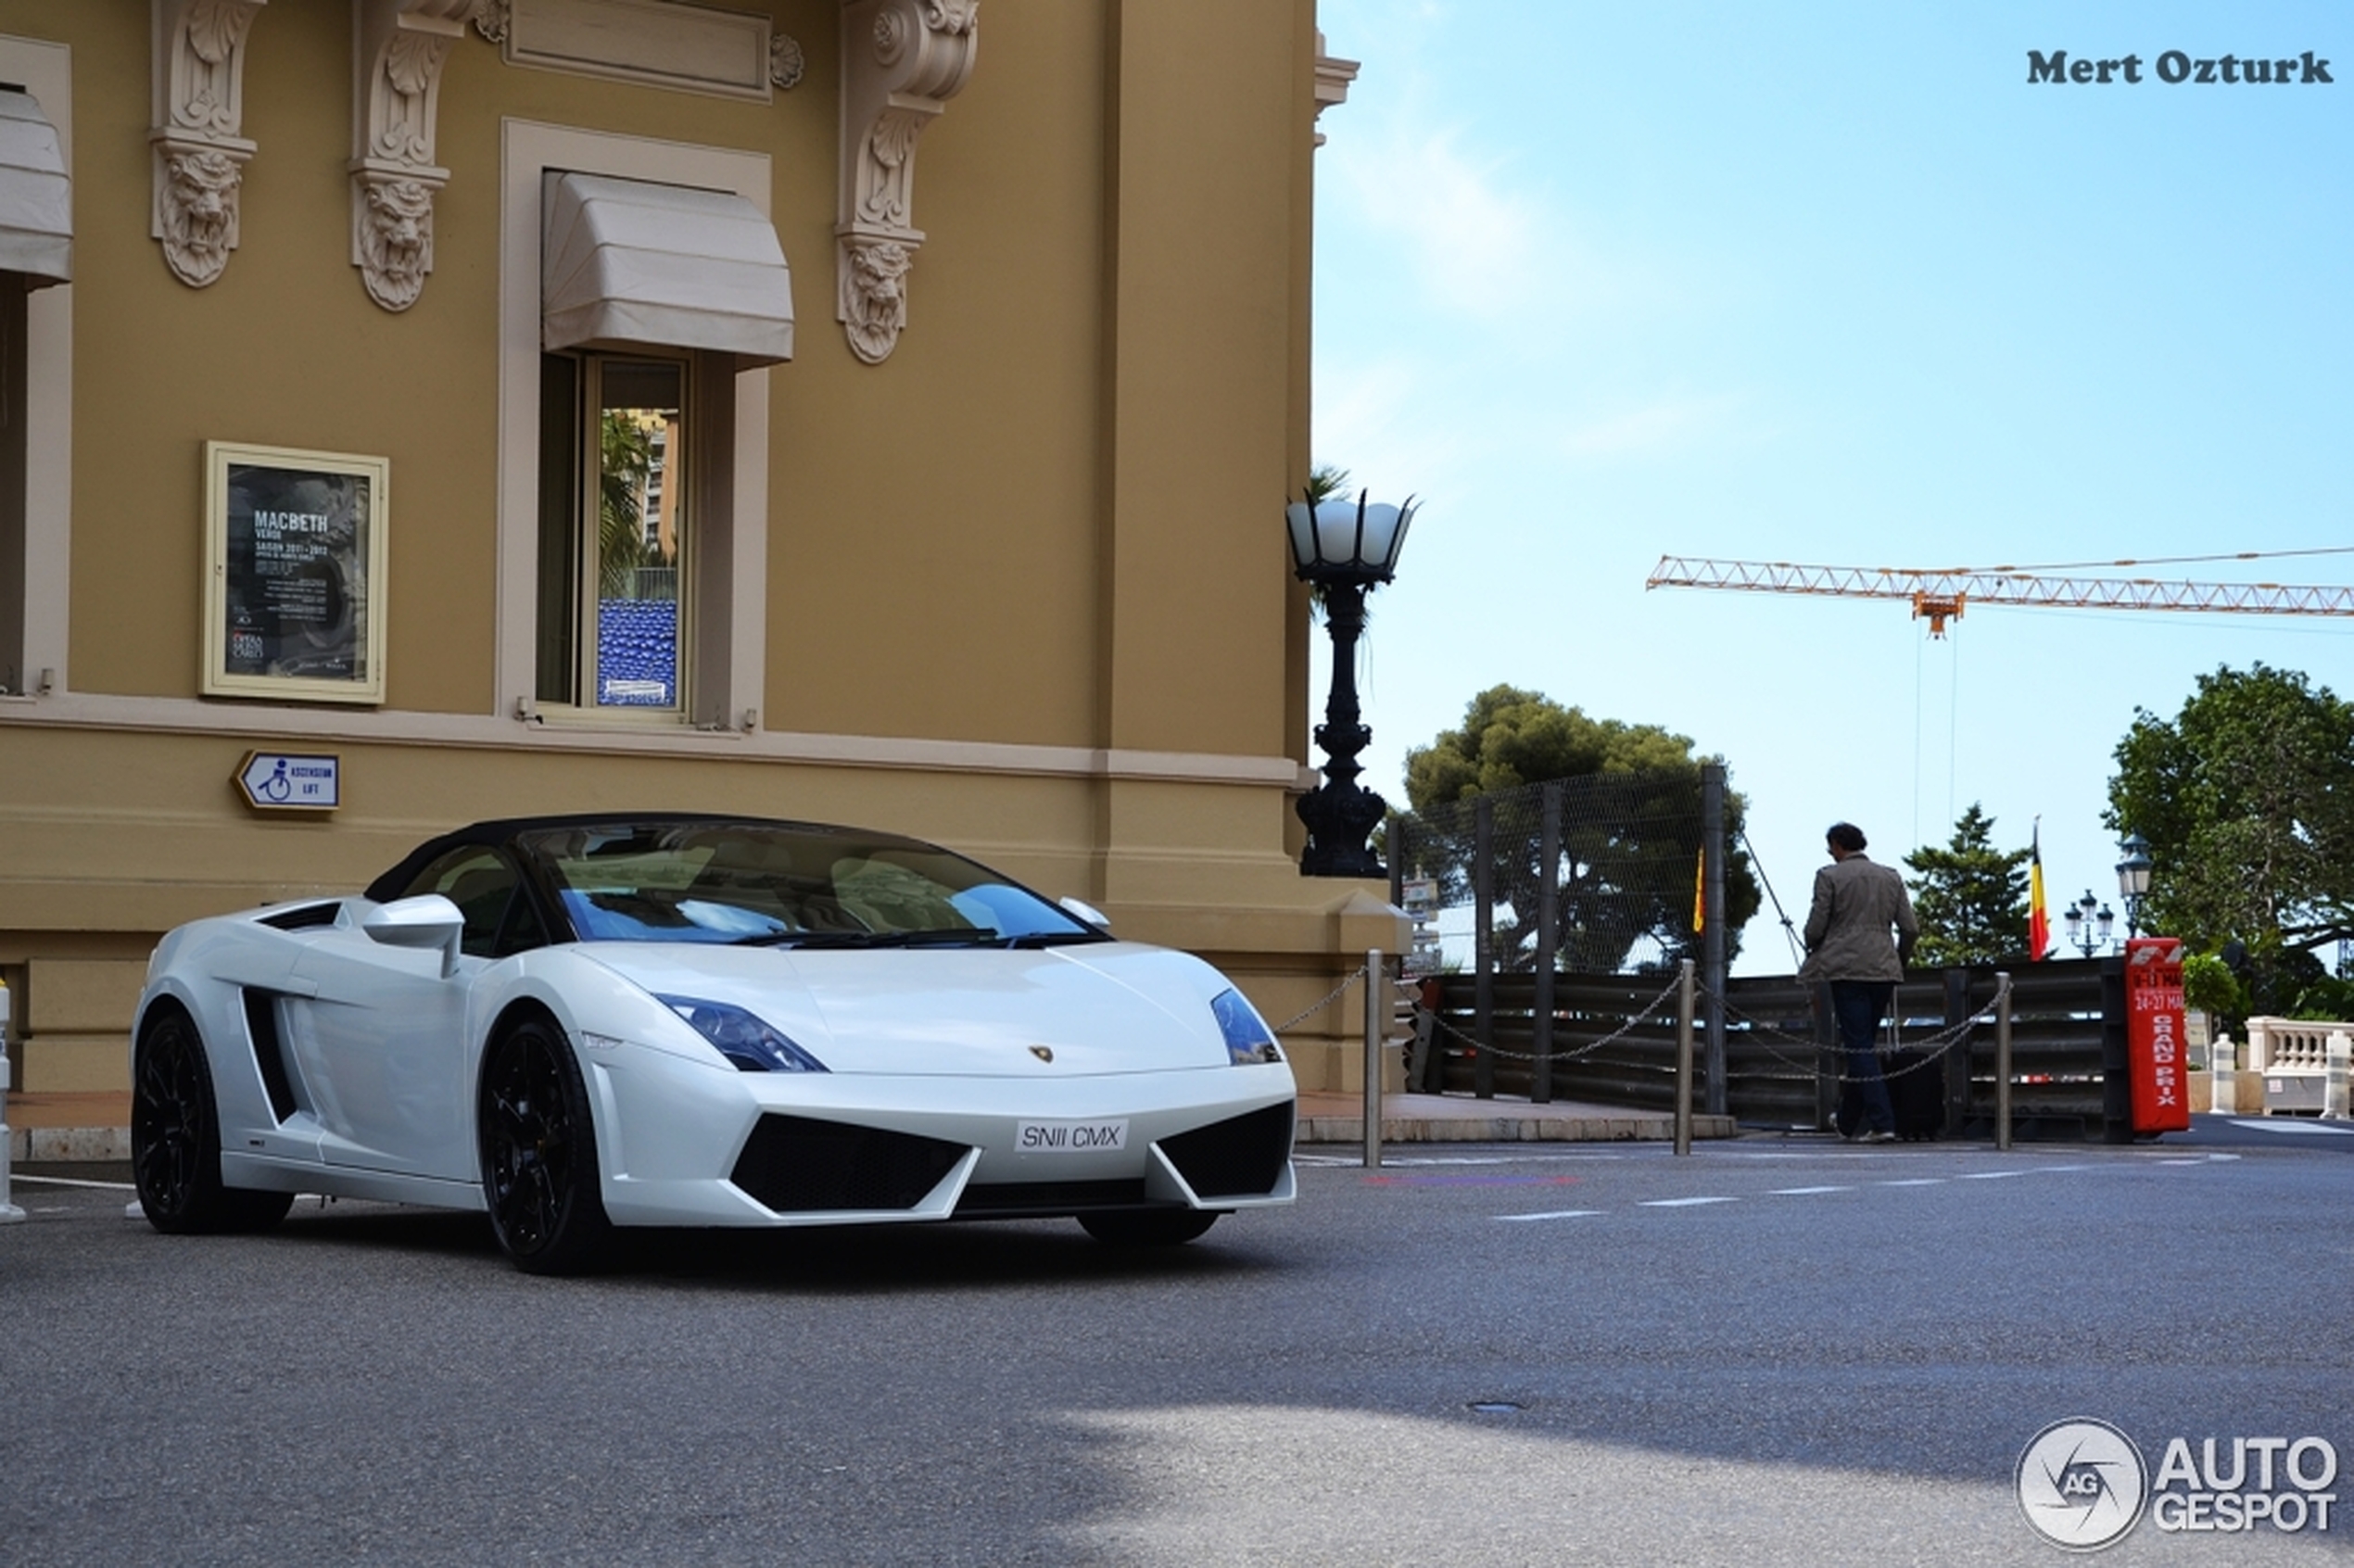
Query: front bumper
x=682 y=1145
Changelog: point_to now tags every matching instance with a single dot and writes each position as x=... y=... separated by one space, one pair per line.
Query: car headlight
x=745 y=1039
x=1248 y=1039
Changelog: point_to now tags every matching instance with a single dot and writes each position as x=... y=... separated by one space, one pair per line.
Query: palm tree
x=1325 y=482
x=625 y=461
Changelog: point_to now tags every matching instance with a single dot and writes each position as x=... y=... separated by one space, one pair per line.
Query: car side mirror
x=1085 y=912
x=427 y=921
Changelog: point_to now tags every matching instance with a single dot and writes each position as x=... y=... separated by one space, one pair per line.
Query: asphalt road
x=1774 y=1352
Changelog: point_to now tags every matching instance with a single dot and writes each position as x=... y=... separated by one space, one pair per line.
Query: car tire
x=175 y=1138
x=538 y=1151
x=1148 y=1227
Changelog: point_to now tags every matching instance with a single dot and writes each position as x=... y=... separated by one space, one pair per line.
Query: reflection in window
x=614 y=530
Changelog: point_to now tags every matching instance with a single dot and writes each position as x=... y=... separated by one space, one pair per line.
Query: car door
x=384 y=1040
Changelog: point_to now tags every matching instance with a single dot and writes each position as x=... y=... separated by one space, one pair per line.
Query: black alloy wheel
x=175 y=1138
x=1148 y=1227
x=539 y=1151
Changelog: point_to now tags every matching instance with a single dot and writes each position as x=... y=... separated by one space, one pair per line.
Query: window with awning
x=36 y=194
x=630 y=261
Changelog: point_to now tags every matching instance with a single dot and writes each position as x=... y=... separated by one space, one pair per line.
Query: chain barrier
x=1338 y=991
x=1759 y=1032
x=1567 y=1056
x=1936 y=1045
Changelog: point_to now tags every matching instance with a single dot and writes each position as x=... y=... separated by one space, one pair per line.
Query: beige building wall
x=1026 y=593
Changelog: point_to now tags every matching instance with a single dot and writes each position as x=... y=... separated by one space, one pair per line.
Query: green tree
x=1970 y=896
x=625 y=462
x=1627 y=864
x=2247 y=798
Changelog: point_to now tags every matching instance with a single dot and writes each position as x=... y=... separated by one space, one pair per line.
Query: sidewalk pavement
x=1458 y=1118
x=97 y=1127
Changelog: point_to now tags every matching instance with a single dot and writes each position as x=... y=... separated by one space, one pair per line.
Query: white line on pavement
x=76 y=1181
x=1917 y=1181
x=1808 y=1191
x=1684 y=1202
x=1554 y=1214
x=1989 y=1175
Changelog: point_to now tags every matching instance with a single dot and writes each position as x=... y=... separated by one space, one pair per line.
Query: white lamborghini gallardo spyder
x=580 y=1022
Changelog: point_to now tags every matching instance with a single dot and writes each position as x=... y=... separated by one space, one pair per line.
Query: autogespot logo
x=2082 y=1484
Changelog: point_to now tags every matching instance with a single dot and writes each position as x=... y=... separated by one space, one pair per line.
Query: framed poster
x=294 y=592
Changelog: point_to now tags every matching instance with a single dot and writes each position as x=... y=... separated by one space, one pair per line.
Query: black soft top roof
x=503 y=831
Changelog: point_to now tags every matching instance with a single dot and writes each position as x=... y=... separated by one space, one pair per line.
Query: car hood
x=1097 y=1008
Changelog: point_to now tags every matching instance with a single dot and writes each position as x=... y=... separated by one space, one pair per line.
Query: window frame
x=36 y=522
x=723 y=645
x=581 y=564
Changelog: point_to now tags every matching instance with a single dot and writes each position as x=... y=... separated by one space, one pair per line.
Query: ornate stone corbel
x=902 y=60
x=403 y=45
x=491 y=17
x=1333 y=77
x=784 y=62
x=197 y=68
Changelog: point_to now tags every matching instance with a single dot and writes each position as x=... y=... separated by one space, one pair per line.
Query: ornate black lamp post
x=2089 y=924
x=2134 y=880
x=1345 y=548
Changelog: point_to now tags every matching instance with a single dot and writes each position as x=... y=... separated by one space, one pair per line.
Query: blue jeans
x=1858 y=1006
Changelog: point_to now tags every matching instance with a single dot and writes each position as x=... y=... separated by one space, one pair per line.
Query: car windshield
x=777 y=885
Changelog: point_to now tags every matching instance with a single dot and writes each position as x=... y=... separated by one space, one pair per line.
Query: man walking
x=1857 y=904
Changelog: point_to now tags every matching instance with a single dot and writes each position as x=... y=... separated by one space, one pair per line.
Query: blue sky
x=1835 y=284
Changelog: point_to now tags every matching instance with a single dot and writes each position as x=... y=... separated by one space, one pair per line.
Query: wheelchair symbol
x=277 y=787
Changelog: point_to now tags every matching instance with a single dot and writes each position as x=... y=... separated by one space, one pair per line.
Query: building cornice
x=554 y=736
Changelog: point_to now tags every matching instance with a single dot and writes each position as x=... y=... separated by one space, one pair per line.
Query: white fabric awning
x=666 y=266
x=36 y=197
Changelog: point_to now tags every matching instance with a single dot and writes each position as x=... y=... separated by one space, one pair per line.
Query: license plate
x=1071 y=1137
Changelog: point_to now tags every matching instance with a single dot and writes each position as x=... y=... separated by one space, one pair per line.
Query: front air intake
x=1241 y=1156
x=797 y=1165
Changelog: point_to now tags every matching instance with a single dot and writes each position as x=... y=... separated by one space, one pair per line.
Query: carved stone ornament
x=786 y=65
x=1333 y=77
x=196 y=71
x=395 y=101
x=902 y=60
x=491 y=17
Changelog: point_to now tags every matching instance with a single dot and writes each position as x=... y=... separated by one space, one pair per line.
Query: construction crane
x=1940 y=594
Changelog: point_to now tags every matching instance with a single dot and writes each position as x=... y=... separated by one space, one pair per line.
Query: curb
x=1511 y=1130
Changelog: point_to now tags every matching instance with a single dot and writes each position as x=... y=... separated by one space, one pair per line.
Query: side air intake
x=798 y=1164
x=1241 y=1156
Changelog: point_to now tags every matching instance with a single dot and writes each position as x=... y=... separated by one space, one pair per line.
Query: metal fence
x=1608 y=1041
x=1596 y=875
x=1595 y=872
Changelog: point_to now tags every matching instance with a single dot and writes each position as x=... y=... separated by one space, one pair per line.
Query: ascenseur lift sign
x=290 y=781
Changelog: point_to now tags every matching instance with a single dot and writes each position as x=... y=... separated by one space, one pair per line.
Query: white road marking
x=1989 y=1175
x=2270 y=1124
x=1684 y=1202
x=1917 y=1181
x=76 y=1181
x=1806 y=1191
x=1554 y=1214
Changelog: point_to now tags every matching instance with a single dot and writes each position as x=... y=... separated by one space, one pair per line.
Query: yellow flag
x=1699 y=893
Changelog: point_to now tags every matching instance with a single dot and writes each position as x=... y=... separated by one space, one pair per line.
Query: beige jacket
x=1856 y=905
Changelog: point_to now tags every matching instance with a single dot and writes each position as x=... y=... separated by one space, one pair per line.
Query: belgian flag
x=2038 y=919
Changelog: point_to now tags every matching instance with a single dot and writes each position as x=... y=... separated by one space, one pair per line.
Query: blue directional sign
x=291 y=781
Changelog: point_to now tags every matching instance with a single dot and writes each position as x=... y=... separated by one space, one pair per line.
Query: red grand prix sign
x=2155 y=1038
